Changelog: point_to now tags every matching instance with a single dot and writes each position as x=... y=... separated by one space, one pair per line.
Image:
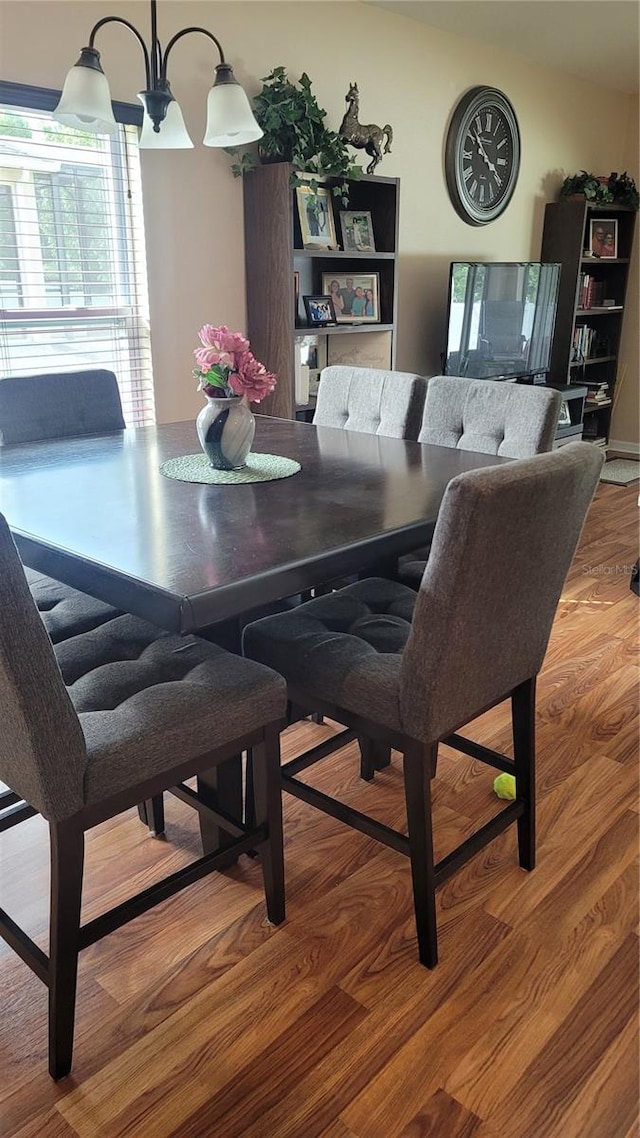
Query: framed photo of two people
x=603 y=237
x=355 y=296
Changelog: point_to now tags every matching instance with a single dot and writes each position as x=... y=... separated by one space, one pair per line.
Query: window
x=73 y=278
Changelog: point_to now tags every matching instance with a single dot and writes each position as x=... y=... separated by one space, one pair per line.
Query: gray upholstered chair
x=370 y=400
x=51 y=406
x=142 y=712
x=407 y=671
x=507 y=419
x=59 y=405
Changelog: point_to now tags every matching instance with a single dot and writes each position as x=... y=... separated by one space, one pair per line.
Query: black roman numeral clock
x=482 y=156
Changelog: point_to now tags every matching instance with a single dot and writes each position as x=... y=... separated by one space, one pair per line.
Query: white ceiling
x=597 y=40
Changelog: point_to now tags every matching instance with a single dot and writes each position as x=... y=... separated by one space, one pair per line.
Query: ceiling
x=595 y=41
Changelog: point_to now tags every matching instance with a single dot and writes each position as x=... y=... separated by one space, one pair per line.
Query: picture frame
x=320 y=311
x=315 y=213
x=296 y=293
x=603 y=237
x=356 y=228
x=564 y=419
x=355 y=296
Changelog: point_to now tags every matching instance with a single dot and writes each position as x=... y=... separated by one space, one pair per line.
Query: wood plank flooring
x=199 y=1019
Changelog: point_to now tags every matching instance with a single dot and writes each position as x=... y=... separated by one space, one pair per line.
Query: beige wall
x=409 y=75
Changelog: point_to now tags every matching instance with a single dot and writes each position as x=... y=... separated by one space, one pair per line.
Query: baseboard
x=616 y=446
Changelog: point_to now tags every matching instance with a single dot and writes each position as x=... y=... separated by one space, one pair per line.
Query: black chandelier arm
x=120 y=20
x=185 y=32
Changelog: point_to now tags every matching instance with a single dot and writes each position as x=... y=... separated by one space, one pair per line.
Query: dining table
x=97 y=513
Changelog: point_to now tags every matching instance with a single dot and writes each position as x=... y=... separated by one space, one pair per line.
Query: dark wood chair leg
x=220 y=787
x=374 y=756
x=67 y=862
x=523 y=711
x=249 y=792
x=151 y=813
x=417 y=788
x=268 y=806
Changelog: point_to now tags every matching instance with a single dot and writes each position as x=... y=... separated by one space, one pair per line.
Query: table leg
x=220 y=787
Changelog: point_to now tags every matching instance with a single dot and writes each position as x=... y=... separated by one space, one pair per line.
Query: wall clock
x=482 y=155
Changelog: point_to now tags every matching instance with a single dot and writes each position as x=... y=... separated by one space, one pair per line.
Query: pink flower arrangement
x=227 y=367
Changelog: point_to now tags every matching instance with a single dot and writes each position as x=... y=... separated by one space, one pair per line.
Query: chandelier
x=85 y=102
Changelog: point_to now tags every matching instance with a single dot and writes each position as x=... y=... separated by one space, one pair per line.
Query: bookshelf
x=591 y=305
x=275 y=258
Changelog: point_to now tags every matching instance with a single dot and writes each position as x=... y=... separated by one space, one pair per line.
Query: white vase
x=226 y=428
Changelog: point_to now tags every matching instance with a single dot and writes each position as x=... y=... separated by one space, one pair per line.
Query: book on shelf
x=582 y=340
x=592 y=293
x=597 y=389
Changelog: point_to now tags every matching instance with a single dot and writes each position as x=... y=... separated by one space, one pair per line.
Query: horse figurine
x=369 y=137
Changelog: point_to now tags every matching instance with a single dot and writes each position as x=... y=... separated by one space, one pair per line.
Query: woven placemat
x=258 y=468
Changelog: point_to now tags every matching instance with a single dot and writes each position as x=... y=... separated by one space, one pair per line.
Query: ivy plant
x=295 y=131
x=618 y=189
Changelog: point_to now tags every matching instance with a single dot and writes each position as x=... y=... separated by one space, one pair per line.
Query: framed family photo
x=316 y=217
x=603 y=237
x=357 y=231
x=320 y=311
x=355 y=296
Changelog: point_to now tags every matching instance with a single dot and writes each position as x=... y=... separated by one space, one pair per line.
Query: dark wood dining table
x=96 y=513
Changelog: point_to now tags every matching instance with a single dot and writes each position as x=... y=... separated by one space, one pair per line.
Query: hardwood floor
x=199 y=1019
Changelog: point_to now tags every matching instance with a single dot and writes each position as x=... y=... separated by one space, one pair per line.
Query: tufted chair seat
x=353 y=638
x=135 y=688
x=65 y=611
x=370 y=400
x=141 y=712
x=409 y=674
x=508 y=419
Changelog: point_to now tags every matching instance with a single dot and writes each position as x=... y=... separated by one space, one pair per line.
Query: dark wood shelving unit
x=565 y=238
x=341 y=329
x=273 y=253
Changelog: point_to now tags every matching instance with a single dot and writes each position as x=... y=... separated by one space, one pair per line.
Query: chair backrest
x=42 y=748
x=370 y=400
x=64 y=405
x=508 y=419
x=501 y=549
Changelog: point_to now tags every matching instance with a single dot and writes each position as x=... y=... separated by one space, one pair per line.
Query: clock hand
x=482 y=152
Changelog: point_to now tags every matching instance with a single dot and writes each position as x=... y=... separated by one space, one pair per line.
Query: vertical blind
x=73 y=275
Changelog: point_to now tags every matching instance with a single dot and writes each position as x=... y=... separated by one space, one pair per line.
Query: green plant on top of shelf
x=295 y=132
x=617 y=189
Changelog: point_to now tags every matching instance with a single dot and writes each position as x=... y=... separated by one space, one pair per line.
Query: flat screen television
x=500 y=318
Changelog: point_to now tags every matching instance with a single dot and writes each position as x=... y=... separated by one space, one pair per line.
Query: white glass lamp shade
x=230 y=120
x=85 y=102
x=173 y=134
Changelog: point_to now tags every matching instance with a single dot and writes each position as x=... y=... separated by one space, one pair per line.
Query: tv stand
x=570 y=424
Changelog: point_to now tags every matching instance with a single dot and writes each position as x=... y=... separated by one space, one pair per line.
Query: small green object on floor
x=505 y=786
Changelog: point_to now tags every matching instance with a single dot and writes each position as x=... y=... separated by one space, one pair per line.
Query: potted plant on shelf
x=616 y=189
x=295 y=131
